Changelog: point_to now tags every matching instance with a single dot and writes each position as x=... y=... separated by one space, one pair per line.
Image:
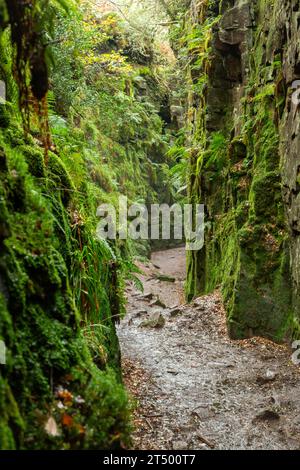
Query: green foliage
x=215 y=155
x=63 y=289
x=58 y=275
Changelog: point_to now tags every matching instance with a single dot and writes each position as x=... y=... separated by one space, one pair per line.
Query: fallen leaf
x=67 y=420
x=65 y=396
x=51 y=427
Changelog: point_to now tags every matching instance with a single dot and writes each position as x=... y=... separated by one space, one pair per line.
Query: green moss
x=265 y=195
x=4 y=117
x=10 y=417
x=45 y=302
x=34 y=159
x=237 y=150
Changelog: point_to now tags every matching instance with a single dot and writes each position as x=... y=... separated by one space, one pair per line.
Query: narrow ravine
x=195 y=388
x=129 y=126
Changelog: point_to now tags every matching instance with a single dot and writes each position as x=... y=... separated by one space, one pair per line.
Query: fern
x=216 y=153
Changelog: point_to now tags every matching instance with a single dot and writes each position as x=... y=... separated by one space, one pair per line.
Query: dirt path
x=196 y=389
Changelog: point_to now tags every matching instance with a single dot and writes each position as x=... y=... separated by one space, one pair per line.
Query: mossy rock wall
x=60 y=387
x=244 y=160
x=61 y=288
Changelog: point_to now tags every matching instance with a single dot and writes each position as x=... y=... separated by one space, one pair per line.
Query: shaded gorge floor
x=195 y=388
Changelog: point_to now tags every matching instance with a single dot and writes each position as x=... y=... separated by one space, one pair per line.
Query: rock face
x=243 y=116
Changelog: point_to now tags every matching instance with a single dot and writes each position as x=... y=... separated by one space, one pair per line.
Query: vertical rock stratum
x=244 y=141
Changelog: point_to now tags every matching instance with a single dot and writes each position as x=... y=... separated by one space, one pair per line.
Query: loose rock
x=155 y=321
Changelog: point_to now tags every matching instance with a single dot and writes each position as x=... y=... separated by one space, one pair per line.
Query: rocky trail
x=195 y=388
